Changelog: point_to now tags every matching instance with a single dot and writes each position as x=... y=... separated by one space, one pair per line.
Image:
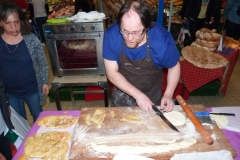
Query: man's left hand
x=167 y=104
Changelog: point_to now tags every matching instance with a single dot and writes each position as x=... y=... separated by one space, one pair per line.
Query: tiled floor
x=232 y=98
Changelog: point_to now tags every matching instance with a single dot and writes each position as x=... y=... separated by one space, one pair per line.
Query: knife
x=159 y=113
x=225 y=114
x=208 y=113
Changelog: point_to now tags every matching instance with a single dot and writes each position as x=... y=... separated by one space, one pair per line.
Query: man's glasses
x=134 y=34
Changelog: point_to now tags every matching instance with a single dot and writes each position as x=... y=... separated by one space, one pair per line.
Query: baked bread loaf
x=232 y=43
x=46 y=145
x=208 y=36
x=203 y=58
x=57 y=121
x=204 y=43
x=207 y=48
x=207 y=39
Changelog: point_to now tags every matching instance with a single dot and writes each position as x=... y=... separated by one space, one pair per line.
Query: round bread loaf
x=203 y=58
x=204 y=43
x=209 y=36
x=207 y=48
x=205 y=30
x=214 y=31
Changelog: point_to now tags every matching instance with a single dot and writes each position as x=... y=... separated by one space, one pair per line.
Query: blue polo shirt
x=162 y=47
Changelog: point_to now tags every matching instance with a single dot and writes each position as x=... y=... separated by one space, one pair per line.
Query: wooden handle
x=205 y=135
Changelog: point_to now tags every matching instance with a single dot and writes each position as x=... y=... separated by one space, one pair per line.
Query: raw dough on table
x=98 y=117
x=142 y=149
x=175 y=117
x=130 y=157
x=88 y=119
x=221 y=120
x=131 y=118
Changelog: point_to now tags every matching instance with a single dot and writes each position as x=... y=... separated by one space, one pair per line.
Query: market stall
x=195 y=77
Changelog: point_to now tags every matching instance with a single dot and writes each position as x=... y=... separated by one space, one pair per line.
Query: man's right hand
x=144 y=103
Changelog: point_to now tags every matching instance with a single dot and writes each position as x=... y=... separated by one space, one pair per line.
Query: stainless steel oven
x=75 y=48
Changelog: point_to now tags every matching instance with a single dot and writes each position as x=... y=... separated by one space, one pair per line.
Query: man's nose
x=129 y=36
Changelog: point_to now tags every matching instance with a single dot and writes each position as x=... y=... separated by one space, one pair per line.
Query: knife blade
x=225 y=114
x=159 y=113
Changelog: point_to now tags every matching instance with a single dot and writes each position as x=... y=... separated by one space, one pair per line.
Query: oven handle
x=52 y=36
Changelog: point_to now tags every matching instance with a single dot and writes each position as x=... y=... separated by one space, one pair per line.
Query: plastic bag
x=184 y=33
x=17 y=135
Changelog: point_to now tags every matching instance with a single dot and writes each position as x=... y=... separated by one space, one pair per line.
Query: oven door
x=75 y=53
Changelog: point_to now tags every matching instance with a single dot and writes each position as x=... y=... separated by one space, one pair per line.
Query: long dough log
x=137 y=138
x=205 y=135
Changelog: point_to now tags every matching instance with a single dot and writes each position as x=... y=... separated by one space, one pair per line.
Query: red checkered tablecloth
x=194 y=77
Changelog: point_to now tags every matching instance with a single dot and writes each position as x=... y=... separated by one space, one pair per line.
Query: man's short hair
x=140 y=8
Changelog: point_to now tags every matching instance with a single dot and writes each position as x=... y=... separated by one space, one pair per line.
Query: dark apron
x=142 y=74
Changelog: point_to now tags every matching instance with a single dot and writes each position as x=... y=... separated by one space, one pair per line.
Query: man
x=39 y=11
x=135 y=51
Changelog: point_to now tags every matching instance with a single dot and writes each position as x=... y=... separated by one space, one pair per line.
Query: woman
x=23 y=65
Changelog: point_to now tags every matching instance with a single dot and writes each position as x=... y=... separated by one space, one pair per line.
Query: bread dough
x=88 y=119
x=112 y=114
x=141 y=149
x=221 y=120
x=98 y=117
x=131 y=118
x=175 y=117
x=130 y=157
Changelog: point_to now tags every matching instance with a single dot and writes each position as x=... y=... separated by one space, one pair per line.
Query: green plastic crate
x=64 y=94
x=209 y=89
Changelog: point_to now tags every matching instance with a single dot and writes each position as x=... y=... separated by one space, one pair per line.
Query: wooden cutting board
x=150 y=126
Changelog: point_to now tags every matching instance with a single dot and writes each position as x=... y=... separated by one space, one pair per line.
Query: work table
x=149 y=125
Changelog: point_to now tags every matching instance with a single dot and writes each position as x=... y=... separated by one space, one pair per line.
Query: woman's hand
x=45 y=89
x=2 y=157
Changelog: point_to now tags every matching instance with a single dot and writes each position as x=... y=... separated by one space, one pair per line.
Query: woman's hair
x=6 y=9
x=140 y=8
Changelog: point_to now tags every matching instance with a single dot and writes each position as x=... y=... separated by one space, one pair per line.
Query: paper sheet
x=233 y=124
x=222 y=154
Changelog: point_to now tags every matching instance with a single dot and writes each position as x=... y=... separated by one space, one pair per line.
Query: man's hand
x=167 y=104
x=144 y=103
